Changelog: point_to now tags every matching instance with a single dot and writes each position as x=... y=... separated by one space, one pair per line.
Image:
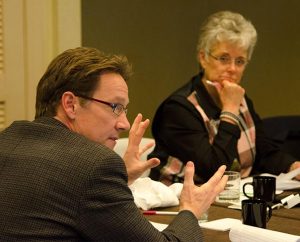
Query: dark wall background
x=159 y=38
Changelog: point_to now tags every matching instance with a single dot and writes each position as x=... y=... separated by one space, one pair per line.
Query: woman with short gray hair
x=210 y=120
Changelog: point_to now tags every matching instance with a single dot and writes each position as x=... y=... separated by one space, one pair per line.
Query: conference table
x=282 y=220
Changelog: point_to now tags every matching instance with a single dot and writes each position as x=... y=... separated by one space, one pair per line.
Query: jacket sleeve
x=108 y=212
x=179 y=130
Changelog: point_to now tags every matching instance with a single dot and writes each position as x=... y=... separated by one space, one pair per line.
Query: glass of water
x=231 y=192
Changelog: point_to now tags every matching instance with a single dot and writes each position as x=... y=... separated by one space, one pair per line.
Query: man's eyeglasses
x=226 y=60
x=117 y=108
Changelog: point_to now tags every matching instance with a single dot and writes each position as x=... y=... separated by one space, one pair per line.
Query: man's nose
x=123 y=123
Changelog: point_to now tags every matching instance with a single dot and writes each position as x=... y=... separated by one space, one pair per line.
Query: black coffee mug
x=256 y=213
x=264 y=187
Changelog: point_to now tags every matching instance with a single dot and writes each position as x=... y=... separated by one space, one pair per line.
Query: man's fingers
x=215 y=179
x=146 y=147
x=135 y=135
x=189 y=174
x=142 y=127
x=138 y=129
x=151 y=163
x=136 y=123
x=220 y=187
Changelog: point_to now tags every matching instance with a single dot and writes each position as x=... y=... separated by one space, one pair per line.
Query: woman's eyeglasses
x=227 y=59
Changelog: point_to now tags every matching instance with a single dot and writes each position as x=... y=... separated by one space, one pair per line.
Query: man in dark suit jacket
x=60 y=179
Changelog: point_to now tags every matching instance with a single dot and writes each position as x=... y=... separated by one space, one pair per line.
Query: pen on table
x=152 y=212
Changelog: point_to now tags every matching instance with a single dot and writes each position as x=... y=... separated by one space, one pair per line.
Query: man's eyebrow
x=121 y=100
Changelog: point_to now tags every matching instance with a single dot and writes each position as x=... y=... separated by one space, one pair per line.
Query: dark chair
x=285 y=131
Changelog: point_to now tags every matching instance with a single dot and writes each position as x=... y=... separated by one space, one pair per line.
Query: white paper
x=159 y=226
x=223 y=224
x=246 y=233
x=287 y=184
x=290 y=175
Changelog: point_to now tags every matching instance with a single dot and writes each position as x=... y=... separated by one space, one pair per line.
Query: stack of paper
x=246 y=233
x=242 y=233
x=223 y=224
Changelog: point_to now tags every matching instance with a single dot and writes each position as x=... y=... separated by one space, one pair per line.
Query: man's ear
x=69 y=102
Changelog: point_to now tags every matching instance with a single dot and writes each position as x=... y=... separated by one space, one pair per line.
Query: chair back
x=285 y=131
